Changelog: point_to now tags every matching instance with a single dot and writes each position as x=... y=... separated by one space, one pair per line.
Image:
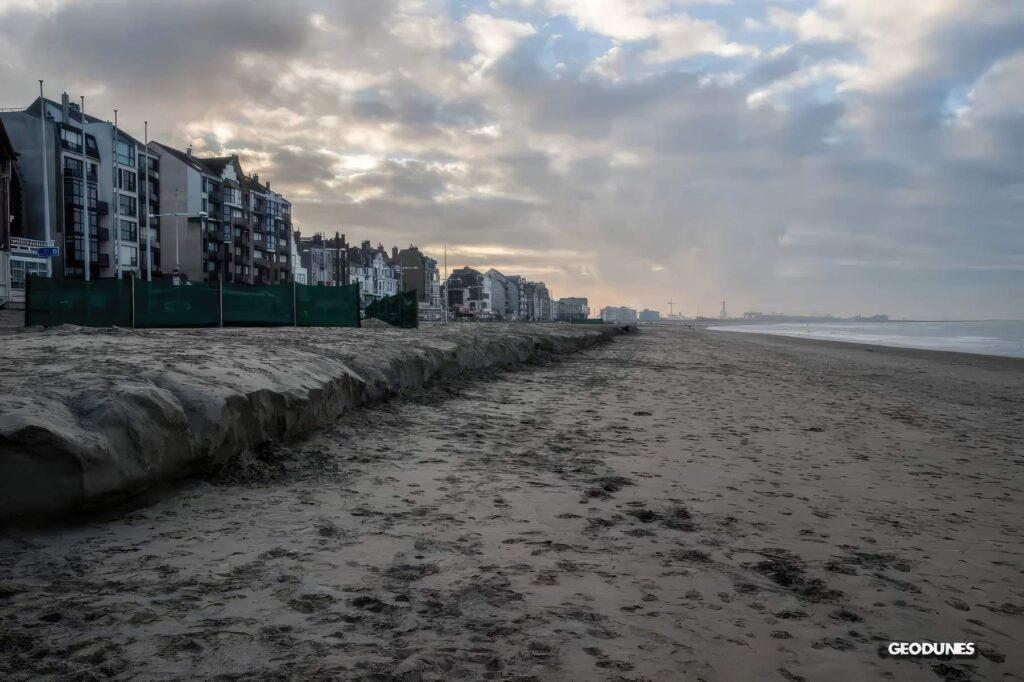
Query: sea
x=982 y=337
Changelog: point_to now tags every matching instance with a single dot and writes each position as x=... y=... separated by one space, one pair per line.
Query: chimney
x=188 y=152
x=394 y=253
x=268 y=185
x=64 y=101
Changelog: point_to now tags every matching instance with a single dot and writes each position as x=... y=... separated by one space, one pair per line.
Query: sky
x=801 y=156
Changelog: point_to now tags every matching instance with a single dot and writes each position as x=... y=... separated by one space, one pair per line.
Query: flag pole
x=117 y=202
x=86 y=246
x=46 y=179
x=149 y=227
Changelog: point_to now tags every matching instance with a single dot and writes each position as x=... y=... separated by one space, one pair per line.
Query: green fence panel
x=400 y=310
x=410 y=309
x=318 y=306
x=97 y=303
x=257 y=306
x=163 y=304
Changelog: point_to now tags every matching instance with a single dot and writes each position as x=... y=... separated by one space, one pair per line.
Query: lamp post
x=177 y=241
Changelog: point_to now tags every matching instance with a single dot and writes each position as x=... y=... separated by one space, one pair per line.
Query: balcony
x=241 y=240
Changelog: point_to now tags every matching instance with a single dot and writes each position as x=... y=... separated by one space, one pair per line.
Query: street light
x=177 y=249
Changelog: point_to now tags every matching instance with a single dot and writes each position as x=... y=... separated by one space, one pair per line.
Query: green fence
x=400 y=310
x=98 y=303
x=130 y=302
x=327 y=306
x=163 y=304
x=246 y=306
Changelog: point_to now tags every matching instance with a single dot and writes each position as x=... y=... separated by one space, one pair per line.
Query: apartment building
x=618 y=314
x=500 y=296
x=78 y=185
x=233 y=228
x=464 y=289
x=10 y=210
x=537 y=301
x=377 y=274
x=647 y=315
x=572 y=309
x=324 y=259
x=419 y=273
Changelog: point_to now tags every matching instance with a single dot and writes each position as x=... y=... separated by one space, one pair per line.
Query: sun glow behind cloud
x=631 y=151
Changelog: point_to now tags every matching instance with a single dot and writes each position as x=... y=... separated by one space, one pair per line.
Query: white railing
x=29 y=245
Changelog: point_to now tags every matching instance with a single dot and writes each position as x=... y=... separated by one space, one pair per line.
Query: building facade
x=538 y=302
x=647 y=315
x=246 y=233
x=419 y=273
x=614 y=314
x=81 y=189
x=299 y=272
x=464 y=289
x=10 y=210
x=374 y=271
x=572 y=309
x=324 y=259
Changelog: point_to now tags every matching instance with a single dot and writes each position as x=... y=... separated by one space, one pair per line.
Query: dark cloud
x=851 y=168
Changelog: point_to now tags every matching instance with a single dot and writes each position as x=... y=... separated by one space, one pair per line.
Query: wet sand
x=672 y=505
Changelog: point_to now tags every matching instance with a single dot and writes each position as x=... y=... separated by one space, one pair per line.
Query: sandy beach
x=674 y=504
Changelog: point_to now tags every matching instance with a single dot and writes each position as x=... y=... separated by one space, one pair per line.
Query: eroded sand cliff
x=88 y=416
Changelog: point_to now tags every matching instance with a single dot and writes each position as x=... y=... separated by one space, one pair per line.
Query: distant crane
x=670 y=304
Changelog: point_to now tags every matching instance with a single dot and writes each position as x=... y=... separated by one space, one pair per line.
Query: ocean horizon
x=1003 y=338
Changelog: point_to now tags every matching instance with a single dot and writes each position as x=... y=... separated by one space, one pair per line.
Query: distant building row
x=332 y=261
x=495 y=296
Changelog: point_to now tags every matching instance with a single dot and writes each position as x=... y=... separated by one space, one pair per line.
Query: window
x=129 y=256
x=73 y=220
x=129 y=231
x=71 y=140
x=72 y=167
x=125 y=153
x=73 y=192
x=126 y=205
x=126 y=179
x=78 y=248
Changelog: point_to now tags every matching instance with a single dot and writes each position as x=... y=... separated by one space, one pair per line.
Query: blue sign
x=48 y=251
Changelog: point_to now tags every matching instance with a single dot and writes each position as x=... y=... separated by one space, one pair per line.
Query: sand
x=672 y=505
x=90 y=416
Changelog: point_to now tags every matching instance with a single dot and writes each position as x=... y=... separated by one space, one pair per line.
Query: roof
x=75 y=115
x=185 y=158
x=216 y=164
x=251 y=183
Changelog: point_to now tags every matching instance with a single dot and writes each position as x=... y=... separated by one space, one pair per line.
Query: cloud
x=842 y=155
